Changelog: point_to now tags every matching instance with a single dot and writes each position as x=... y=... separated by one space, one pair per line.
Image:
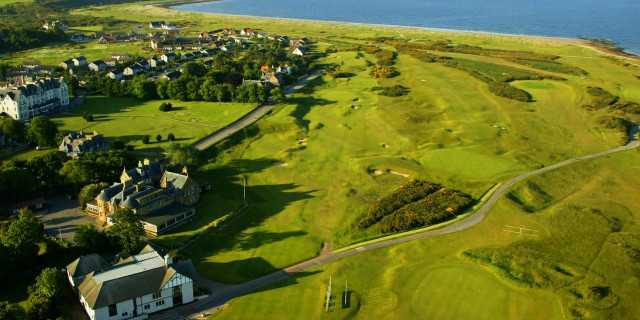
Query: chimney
x=139 y=164
x=184 y=170
x=168 y=260
x=146 y=162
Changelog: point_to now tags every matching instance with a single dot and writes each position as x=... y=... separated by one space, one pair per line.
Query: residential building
x=97 y=65
x=31 y=64
x=75 y=143
x=115 y=75
x=144 y=283
x=67 y=64
x=121 y=56
x=33 y=98
x=79 y=61
x=298 y=51
x=172 y=75
x=55 y=24
x=275 y=79
x=167 y=57
x=156 y=24
x=154 y=62
x=107 y=39
x=188 y=56
x=133 y=70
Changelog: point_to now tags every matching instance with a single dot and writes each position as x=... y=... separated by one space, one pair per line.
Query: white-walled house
x=141 y=284
x=35 y=98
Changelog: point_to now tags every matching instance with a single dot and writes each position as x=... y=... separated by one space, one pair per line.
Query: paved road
x=221 y=293
x=252 y=116
x=63 y=217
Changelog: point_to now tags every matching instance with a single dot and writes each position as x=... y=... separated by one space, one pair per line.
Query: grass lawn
x=3 y=2
x=430 y=276
x=53 y=55
x=449 y=130
x=213 y=114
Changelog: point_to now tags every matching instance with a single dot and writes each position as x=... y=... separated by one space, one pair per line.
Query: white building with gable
x=34 y=98
x=131 y=288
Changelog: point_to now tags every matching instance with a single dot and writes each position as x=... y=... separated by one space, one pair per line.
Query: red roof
x=27 y=204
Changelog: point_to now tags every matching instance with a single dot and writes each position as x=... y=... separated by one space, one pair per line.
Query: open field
x=430 y=276
x=448 y=130
x=3 y=2
x=53 y=55
x=311 y=167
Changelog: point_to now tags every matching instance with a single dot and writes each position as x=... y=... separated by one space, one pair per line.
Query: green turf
x=3 y=2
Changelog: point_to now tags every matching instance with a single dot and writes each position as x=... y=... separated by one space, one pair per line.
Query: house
x=75 y=143
x=121 y=56
x=133 y=70
x=245 y=32
x=206 y=36
x=67 y=64
x=264 y=69
x=115 y=75
x=79 y=61
x=239 y=40
x=212 y=51
x=170 y=25
x=167 y=57
x=230 y=31
x=197 y=54
x=188 y=56
x=33 y=98
x=263 y=36
x=298 y=52
x=134 y=287
x=155 y=35
x=55 y=25
x=97 y=65
x=79 y=37
x=163 y=200
x=226 y=48
x=172 y=75
x=154 y=62
x=31 y=64
x=106 y=39
x=275 y=79
x=156 y=24
x=35 y=204
x=43 y=70
x=110 y=61
x=144 y=64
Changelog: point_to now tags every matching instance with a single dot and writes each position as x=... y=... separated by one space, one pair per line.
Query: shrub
x=164 y=107
x=89 y=118
x=145 y=139
x=382 y=72
x=171 y=137
x=392 y=91
x=130 y=148
x=414 y=190
x=159 y=138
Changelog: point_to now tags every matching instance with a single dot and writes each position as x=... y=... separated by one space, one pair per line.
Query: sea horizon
x=238 y=8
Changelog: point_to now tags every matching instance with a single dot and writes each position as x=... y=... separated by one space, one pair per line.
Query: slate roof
x=167 y=213
x=136 y=276
x=87 y=264
x=176 y=180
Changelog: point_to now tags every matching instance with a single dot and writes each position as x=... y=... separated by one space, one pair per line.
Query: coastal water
x=617 y=20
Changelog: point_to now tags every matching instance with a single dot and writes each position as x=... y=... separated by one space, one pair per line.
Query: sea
x=616 y=20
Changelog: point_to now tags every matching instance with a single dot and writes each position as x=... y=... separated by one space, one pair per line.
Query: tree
x=159 y=138
x=23 y=234
x=89 y=118
x=46 y=168
x=127 y=229
x=145 y=139
x=49 y=284
x=13 y=128
x=44 y=293
x=16 y=182
x=161 y=88
x=182 y=154
x=194 y=69
x=234 y=79
x=90 y=238
x=277 y=94
x=207 y=90
x=117 y=145
x=171 y=137
x=72 y=83
x=164 y=107
x=89 y=192
x=177 y=89
x=144 y=89
x=42 y=131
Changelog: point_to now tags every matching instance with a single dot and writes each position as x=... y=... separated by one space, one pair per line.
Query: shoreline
x=585 y=43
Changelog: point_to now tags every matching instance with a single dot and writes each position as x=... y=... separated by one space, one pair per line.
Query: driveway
x=63 y=217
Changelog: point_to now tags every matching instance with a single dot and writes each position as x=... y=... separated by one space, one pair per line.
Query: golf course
x=470 y=112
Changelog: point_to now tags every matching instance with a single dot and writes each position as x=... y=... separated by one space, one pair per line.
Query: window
x=125 y=314
x=157 y=295
x=112 y=310
x=159 y=303
x=177 y=290
x=147 y=306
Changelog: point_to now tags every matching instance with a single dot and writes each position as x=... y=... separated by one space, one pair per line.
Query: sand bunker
x=280 y=164
x=376 y=172
x=398 y=173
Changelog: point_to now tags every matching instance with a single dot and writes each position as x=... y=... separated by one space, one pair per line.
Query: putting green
x=469 y=164
x=463 y=292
